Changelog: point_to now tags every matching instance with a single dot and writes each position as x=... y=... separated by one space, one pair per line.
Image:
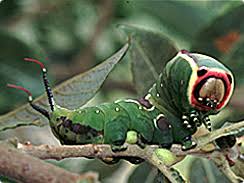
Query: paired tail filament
x=47 y=88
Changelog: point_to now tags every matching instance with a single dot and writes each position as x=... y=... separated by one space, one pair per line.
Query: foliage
x=72 y=36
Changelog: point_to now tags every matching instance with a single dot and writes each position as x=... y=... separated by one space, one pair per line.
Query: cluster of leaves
x=60 y=31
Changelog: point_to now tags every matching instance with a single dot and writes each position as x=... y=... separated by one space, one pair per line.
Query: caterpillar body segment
x=109 y=123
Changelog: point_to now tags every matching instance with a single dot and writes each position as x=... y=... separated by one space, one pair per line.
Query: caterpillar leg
x=133 y=137
x=191 y=120
x=115 y=132
x=188 y=143
x=207 y=123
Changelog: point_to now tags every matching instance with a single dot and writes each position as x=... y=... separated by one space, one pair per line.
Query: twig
x=26 y=168
x=103 y=150
x=95 y=150
x=232 y=129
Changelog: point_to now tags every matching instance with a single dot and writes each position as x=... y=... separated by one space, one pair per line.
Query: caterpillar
x=190 y=87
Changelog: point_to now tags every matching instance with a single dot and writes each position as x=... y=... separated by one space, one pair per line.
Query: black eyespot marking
x=163 y=124
x=145 y=103
x=201 y=72
x=230 y=78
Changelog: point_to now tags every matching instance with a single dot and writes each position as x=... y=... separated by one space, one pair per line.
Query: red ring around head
x=220 y=75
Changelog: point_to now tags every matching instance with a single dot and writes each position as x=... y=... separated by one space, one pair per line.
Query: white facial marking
x=148 y=96
x=150 y=109
x=30 y=98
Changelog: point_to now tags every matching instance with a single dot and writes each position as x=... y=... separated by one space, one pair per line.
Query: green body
x=170 y=100
x=108 y=123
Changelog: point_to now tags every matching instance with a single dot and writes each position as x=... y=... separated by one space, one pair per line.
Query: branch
x=26 y=168
x=96 y=151
x=102 y=150
x=210 y=137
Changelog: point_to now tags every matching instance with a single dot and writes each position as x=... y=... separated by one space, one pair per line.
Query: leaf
x=149 y=52
x=8 y=9
x=71 y=94
x=224 y=40
x=105 y=171
x=179 y=19
x=82 y=165
x=235 y=60
x=143 y=173
x=12 y=52
x=218 y=38
x=204 y=171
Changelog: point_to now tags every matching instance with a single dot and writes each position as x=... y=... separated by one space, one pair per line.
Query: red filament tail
x=45 y=81
x=34 y=106
x=19 y=88
x=35 y=61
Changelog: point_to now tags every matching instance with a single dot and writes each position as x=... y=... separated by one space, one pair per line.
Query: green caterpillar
x=190 y=88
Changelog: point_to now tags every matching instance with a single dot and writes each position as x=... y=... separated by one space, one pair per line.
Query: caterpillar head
x=211 y=83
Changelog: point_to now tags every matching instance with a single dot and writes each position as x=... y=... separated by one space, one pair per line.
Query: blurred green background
x=71 y=36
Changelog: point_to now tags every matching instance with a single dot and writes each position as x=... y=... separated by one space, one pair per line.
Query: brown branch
x=210 y=137
x=103 y=150
x=95 y=150
x=26 y=168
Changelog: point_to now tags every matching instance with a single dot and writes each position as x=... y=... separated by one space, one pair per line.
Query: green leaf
x=71 y=94
x=12 y=52
x=235 y=60
x=8 y=9
x=224 y=40
x=149 y=52
x=105 y=171
x=81 y=165
x=181 y=19
x=219 y=37
x=204 y=171
x=143 y=173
